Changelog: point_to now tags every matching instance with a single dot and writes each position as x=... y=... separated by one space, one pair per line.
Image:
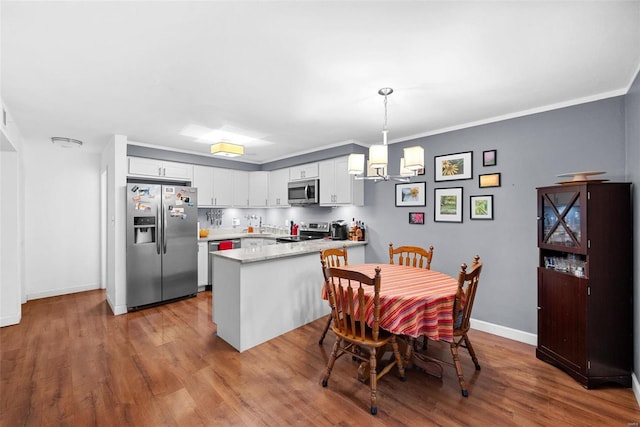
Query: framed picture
x=448 y=204
x=411 y=194
x=490 y=158
x=453 y=167
x=481 y=207
x=416 y=217
x=489 y=180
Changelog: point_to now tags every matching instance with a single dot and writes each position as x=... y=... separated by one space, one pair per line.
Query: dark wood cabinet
x=585 y=287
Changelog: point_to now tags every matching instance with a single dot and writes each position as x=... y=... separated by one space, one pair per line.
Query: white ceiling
x=303 y=75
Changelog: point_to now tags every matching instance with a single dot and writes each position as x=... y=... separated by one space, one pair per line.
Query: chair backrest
x=467 y=287
x=335 y=257
x=413 y=256
x=346 y=291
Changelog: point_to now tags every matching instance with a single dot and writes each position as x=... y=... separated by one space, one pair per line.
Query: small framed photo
x=481 y=207
x=490 y=158
x=411 y=194
x=448 y=204
x=489 y=180
x=416 y=217
x=453 y=167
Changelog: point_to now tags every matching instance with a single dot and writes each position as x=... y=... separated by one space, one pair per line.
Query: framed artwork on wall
x=489 y=180
x=490 y=158
x=481 y=207
x=453 y=167
x=448 y=204
x=411 y=194
x=416 y=217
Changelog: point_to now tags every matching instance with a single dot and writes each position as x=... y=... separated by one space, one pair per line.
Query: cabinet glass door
x=562 y=219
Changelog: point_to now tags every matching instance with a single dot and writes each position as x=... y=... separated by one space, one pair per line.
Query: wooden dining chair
x=333 y=257
x=413 y=256
x=353 y=336
x=463 y=304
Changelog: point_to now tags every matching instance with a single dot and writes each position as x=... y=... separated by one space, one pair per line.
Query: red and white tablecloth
x=413 y=301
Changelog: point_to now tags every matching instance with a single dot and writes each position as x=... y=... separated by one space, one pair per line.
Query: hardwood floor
x=71 y=362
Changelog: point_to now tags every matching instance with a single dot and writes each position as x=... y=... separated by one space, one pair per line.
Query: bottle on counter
x=362 y=231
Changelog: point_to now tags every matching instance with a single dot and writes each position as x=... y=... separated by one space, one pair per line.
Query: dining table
x=414 y=302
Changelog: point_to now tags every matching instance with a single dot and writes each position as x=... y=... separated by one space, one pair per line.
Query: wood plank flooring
x=72 y=363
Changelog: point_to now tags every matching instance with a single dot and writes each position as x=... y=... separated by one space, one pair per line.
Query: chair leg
x=399 y=362
x=373 y=379
x=472 y=353
x=326 y=328
x=458 y=365
x=332 y=360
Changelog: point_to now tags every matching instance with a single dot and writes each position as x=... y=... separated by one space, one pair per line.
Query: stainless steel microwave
x=304 y=192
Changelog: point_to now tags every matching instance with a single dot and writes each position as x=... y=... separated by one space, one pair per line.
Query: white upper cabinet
x=240 y=189
x=278 y=188
x=308 y=171
x=258 y=189
x=221 y=187
x=139 y=166
x=337 y=186
x=203 y=181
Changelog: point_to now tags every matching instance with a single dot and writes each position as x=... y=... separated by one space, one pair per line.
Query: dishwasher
x=214 y=246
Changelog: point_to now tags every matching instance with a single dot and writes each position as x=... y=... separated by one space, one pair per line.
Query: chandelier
x=410 y=164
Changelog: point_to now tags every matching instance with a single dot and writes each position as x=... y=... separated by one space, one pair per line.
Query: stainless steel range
x=311 y=231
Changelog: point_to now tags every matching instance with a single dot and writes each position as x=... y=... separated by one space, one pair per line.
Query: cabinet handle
x=159 y=171
x=539 y=308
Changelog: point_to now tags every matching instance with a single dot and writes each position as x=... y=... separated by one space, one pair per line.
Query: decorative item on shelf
x=580 y=177
x=227 y=149
x=410 y=164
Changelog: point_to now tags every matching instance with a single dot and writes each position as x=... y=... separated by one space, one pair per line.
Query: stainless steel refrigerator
x=162 y=244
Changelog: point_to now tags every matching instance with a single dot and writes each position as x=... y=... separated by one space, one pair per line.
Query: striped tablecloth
x=413 y=301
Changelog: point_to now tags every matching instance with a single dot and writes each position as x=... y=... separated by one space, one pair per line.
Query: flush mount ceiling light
x=410 y=164
x=66 y=142
x=226 y=149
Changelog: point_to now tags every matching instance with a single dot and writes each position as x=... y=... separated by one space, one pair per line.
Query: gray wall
x=532 y=150
x=632 y=109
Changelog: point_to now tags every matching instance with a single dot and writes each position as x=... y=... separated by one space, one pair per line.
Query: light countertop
x=282 y=250
x=229 y=235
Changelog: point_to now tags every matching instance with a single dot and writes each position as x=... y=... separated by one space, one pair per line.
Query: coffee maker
x=339 y=230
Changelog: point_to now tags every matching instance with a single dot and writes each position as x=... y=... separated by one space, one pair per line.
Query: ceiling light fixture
x=66 y=142
x=226 y=149
x=410 y=164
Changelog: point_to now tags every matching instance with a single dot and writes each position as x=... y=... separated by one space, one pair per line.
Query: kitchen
x=59 y=251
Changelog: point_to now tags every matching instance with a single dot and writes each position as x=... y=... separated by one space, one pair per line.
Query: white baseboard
x=503 y=331
x=10 y=320
x=64 y=291
x=635 y=386
x=116 y=309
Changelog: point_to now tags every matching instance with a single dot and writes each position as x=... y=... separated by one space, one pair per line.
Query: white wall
x=62 y=227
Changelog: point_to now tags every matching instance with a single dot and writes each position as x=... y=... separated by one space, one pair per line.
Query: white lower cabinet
x=203 y=265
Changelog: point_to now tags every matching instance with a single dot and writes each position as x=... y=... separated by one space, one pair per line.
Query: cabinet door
x=561 y=219
x=308 y=171
x=258 y=188
x=327 y=182
x=203 y=264
x=278 y=194
x=562 y=317
x=240 y=189
x=343 y=181
x=203 y=181
x=145 y=167
x=177 y=170
x=222 y=187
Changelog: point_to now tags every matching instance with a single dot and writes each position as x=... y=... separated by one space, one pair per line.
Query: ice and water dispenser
x=144 y=229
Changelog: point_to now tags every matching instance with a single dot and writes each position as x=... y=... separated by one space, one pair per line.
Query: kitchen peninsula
x=261 y=292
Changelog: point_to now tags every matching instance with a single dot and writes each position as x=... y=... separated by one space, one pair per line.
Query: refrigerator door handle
x=164 y=231
x=158 y=229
